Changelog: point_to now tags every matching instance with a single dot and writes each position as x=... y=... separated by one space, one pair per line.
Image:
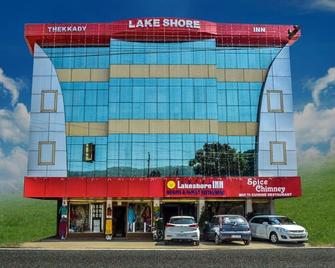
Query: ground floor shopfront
x=129 y=218
x=128 y=207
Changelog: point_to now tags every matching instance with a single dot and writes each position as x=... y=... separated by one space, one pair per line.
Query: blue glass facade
x=136 y=155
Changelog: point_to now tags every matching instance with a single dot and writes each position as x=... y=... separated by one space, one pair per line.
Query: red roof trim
x=99 y=34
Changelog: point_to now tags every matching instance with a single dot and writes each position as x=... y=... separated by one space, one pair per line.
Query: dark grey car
x=228 y=228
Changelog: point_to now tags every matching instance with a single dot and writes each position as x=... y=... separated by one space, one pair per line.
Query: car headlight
x=282 y=230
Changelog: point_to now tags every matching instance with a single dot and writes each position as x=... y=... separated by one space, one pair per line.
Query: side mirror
x=265 y=223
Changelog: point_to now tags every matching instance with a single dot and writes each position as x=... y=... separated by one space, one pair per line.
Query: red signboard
x=159 y=30
x=222 y=187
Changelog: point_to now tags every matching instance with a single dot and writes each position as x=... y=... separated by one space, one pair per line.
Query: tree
x=218 y=160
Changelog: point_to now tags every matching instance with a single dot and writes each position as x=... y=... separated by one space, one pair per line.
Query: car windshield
x=182 y=220
x=281 y=221
x=234 y=220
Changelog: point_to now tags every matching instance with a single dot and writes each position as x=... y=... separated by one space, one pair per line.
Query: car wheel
x=217 y=240
x=196 y=243
x=246 y=242
x=274 y=238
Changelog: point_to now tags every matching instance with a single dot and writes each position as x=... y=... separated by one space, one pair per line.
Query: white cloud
x=310 y=155
x=328 y=5
x=11 y=85
x=14 y=129
x=13 y=167
x=322 y=84
x=14 y=124
x=314 y=124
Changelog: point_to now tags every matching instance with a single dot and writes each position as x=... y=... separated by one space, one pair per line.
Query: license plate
x=235 y=236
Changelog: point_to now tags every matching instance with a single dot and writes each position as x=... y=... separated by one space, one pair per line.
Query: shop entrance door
x=178 y=209
x=119 y=221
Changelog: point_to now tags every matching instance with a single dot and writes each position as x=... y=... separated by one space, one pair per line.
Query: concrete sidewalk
x=53 y=244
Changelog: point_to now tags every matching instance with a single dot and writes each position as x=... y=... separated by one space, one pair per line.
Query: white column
x=201 y=207
x=248 y=206
x=272 y=206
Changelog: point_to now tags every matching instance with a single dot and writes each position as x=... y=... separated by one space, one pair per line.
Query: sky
x=312 y=61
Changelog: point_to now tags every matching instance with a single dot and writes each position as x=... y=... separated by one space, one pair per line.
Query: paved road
x=281 y=257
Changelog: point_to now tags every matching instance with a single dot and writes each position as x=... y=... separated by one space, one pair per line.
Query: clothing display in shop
x=131 y=218
x=62 y=228
x=63 y=211
x=146 y=216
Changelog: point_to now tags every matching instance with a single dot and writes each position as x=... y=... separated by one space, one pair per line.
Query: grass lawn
x=24 y=219
x=315 y=210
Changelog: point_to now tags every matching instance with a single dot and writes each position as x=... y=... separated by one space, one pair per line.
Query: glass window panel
x=91 y=97
x=222 y=97
x=138 y=150
x=188 y=110
x=163 y=150
x=163 y=111
x=102 y=113
x=242 y=60
x=138 y=110
x=254 y=97
x=254 y=113
x=175 y=94
x=138 y=94
x=163 y=94
x=78 y=97
x=188 y=150
x=102 y=97
x=245 y=115
x=78 y=113
x=254 y=60
x=150 y=110
x=230 y=60
x=232 y=97
x=150 y=94
x=126 y=94
x=222 y=113
x=152 y=149
x=68 y=113
x=114 y=94
x=47 y=153
x=125 y=150
x=278 y=152
x=187 y=94
x=175 y=110
x=243 y=97
x=90 y=113
x=211 y=94
x=200 y=111
x=100 y=152
x=200 y=94
x=114 y=111
x=212 y=111
x=126 y=110
x=232 y=113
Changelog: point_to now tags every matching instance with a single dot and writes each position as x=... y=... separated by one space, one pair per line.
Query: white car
x=277 y=229
x=182 y=228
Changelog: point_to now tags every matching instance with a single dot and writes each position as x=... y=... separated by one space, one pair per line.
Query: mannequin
x=131 y=218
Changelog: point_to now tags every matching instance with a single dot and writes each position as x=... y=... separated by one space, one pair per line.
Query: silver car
x=182 y=228
x=277 y=229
